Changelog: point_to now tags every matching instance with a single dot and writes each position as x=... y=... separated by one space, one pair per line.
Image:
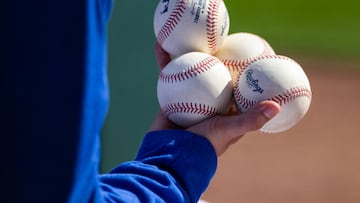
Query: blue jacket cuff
x=190 y=158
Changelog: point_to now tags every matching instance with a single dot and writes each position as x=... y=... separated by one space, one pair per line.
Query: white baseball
x=238 y=49
x=276 y=78
x=193 y=87
x=183 y=26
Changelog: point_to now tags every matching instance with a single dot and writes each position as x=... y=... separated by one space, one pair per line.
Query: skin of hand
x=220 y=130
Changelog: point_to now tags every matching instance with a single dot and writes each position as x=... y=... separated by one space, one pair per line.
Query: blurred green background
x=325 y=29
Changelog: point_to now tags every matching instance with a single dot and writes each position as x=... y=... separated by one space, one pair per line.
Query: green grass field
x=312 y=27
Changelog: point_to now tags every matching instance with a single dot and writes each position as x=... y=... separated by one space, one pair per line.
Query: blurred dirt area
x=317 y=161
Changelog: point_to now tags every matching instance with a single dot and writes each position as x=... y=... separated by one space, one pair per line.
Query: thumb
x=224 y=130
x=251 y=120
x=162 y=57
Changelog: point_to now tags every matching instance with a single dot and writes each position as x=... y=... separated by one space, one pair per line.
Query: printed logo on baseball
x=276 y=78
x=241 y=48
x=193 y=87
x=183 y=26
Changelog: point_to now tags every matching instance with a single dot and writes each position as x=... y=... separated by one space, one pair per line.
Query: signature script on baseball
x=253 y=83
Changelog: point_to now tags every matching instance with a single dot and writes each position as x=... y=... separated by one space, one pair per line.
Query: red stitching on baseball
x=235 y=65
x=191 y=71
x=239 y=65
x=267 y=57
x=211 y=25
x=185 y=107
x=281 y=99
x=260 y=58
x=172 y=21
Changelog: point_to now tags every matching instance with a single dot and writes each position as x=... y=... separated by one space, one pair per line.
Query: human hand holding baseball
x=220 y=130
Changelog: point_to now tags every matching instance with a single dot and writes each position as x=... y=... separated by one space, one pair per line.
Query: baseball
x=276 y=78
x=193 y=87
x=238 y=49
x=183 y=26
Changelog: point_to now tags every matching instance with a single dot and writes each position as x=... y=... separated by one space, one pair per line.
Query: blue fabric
x=171 y=166
x=55 y=101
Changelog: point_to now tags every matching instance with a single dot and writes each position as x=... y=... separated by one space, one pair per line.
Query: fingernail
x=270 y=112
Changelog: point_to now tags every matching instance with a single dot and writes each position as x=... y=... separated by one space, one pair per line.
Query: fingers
x=162 y=57
x=222 y=131
x=253 y=119
x=161 y=122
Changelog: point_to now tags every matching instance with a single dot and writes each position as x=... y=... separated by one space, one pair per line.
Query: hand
x=220 y=130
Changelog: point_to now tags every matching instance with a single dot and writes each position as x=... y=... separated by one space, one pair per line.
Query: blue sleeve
x=55 y=98
x=171 y=166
